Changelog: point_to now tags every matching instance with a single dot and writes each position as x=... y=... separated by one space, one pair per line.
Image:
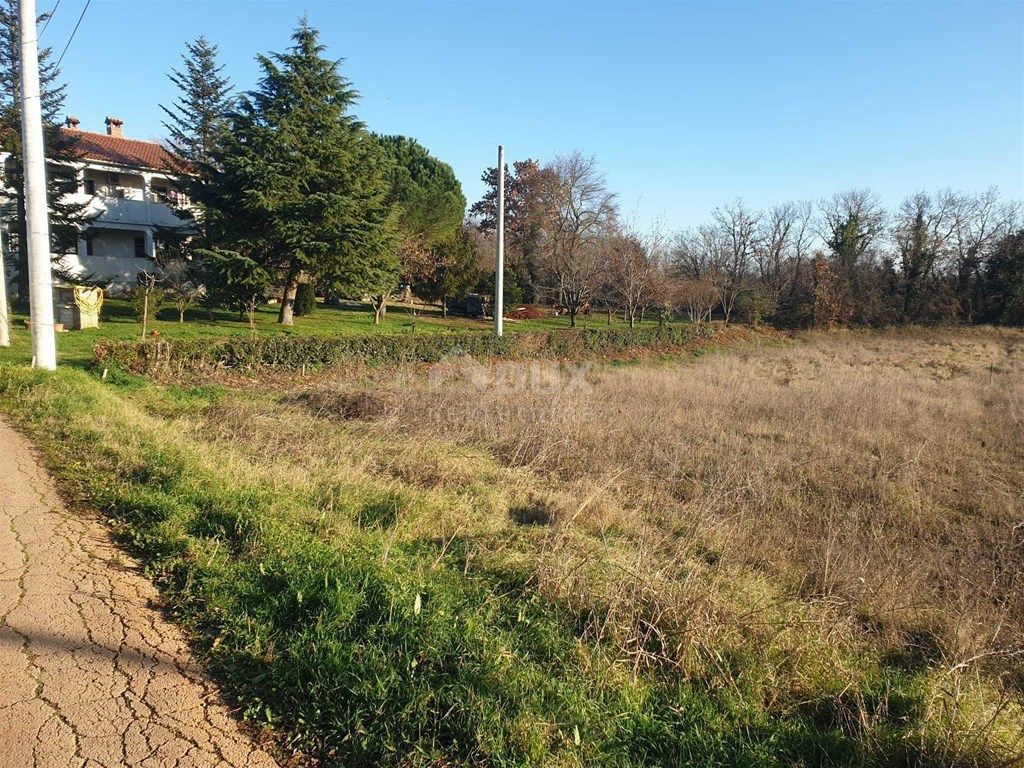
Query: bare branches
x=581 y=213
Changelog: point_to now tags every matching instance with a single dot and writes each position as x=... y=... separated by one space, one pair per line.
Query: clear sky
x=686 y=105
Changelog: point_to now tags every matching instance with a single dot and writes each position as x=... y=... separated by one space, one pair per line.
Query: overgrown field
x=776 y=555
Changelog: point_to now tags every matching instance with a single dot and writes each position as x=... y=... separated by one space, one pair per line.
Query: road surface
x=91 y=674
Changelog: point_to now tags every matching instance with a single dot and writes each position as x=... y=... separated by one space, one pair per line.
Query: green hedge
x=292 y=352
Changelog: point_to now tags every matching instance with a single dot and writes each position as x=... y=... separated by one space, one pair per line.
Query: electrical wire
x=48 y=17
x=87 y=2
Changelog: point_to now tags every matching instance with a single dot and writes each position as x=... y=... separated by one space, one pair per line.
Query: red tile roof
x=119 y=151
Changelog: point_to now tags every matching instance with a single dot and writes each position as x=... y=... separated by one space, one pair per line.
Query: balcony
x=128 y=212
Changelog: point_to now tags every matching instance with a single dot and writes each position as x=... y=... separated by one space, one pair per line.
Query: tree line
x=937 y=258
x=291 y=195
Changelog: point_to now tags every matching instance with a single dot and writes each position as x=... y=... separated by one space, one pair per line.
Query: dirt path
x=90 y=673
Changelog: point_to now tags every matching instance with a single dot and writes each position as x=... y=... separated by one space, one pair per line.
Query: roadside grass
x=388 y=573
x=118 y=323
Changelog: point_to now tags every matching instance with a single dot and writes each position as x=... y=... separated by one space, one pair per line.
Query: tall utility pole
x=499 y=255
x=37 y=225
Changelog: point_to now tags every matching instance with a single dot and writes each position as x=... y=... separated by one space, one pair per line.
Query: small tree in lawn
x=237 y=280
x=178 y=267
x=634 y=264
x=147 y=299
x=296 y=183
x=183 y=284
x=455 y=272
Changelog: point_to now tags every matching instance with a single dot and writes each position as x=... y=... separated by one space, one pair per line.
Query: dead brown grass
x=853 y=499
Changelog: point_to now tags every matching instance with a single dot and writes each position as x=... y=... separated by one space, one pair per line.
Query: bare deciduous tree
x=721 y=253
x=852 y=224
x=635 y=269
x=782 y=248
x=580 y=214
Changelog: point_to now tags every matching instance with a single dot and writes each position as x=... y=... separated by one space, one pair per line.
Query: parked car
x=471 y=305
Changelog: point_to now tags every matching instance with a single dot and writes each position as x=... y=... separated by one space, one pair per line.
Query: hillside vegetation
x=800 y=553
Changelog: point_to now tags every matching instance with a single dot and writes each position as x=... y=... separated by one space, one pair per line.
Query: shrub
x=293 y=352
x=525 y=313
x=756 y=306
x=305 y=299
x=148 y=309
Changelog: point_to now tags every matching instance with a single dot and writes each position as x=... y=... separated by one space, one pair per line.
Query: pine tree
x=429 y=205
x=61 y=147
x=296 y=184
x=196 y=117
x=195 y=121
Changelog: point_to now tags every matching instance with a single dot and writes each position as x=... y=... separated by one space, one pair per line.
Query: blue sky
x=686 y=105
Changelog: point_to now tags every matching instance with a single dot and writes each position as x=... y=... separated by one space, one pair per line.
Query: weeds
x=799 y=555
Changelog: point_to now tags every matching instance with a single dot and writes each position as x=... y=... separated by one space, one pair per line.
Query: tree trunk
x=572 y=318
x=609 y=315
x=444 y=306
x=181 y=315
x=287 y=314
x=380 y=309
x=145 y=312
x=632 y=320
x=250 y=312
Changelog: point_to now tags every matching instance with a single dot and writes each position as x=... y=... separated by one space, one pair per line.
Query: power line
x=48 y=17
x=73 y=34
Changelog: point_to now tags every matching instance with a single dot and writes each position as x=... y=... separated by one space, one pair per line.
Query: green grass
x=118 y=323
x=369 y=648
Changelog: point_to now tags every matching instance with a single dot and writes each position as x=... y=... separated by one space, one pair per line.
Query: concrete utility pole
x=44 y=346
x=499 y=256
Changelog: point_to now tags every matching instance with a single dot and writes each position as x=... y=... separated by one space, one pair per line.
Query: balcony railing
x=113 y=210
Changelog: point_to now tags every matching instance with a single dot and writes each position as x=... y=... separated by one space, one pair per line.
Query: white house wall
x=115 y=222
x=113 y=258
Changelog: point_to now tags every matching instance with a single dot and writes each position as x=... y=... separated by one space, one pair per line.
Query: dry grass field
x=852 y=496
x=788 y=551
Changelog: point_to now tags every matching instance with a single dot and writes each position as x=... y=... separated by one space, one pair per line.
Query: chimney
x=72 y=122
x=115 y=127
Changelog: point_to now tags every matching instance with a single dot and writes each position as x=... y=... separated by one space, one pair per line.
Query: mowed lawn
x=118 y=322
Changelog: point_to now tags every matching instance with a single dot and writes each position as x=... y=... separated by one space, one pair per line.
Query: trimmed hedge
x=293 y=352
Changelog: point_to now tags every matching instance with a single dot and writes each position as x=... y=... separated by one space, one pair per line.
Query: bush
x=756 y=306
x=305 y=299
x=293 y=352
x=141 y=307
x=525 y=313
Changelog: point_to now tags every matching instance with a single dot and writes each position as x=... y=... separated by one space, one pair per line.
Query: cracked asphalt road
x=91 y=675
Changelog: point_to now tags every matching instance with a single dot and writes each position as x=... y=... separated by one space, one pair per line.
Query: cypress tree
x=61 y=147
x=297 y=184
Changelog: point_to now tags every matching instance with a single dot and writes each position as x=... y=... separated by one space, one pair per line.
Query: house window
x=90 y=186
x=88 y=243
x=114 y=178
x=140 y=247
